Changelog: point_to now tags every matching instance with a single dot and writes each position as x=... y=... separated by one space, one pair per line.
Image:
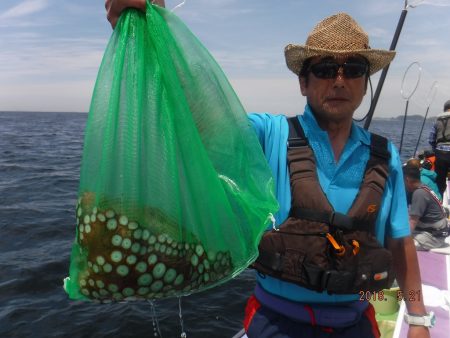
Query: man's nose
x=340 y=78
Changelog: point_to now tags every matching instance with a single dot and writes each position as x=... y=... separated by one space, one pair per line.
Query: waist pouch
x=335 y=316
x=305 y=257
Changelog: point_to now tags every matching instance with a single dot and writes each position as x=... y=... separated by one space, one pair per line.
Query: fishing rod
x=398 y=30
x=430 y=99
x=407 y=96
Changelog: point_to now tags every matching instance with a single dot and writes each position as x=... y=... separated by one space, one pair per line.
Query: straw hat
x=337 y=35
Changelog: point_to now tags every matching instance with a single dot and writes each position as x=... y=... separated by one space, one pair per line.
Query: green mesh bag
x=175 y=192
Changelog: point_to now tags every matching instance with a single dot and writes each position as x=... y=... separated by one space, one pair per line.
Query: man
x=427 y=217
x=427 y=176
x=439 y=139
x=333 y=70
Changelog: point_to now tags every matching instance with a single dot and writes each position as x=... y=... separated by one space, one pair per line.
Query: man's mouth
x=337 y=98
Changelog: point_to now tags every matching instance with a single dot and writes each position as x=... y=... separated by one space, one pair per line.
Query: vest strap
x=297 y=136
x=379 y=148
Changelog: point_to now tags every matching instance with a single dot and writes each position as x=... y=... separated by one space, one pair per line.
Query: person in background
x=439 y=140
x=427 y=217
x=428 y=155
x=333 y=68
x=427 y=176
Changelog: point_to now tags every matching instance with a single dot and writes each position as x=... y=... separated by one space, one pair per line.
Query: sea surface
x=40 y=157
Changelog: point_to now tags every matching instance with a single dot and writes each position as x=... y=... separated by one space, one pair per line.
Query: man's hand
x=115 y=7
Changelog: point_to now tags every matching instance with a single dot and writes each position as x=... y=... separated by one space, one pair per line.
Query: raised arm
x=115 y=7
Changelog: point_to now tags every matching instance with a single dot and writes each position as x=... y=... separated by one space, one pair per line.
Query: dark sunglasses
x=329 y=69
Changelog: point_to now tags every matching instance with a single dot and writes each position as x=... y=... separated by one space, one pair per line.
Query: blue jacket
x=428 y=177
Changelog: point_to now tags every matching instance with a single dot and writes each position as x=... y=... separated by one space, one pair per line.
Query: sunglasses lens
x=325 y=70
x=354 y=69
x=329 y=70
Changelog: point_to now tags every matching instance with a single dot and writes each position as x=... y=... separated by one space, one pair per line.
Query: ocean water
x=40 y=157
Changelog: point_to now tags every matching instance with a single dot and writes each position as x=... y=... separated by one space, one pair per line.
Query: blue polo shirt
x=339 y=181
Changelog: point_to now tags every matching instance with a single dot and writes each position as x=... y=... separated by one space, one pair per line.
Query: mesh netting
x=174 y=189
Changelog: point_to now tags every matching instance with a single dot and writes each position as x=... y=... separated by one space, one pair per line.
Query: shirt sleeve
x=259 y=124
x=418 y=203
x=398 y=220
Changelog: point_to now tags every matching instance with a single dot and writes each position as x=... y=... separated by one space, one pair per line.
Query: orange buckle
x=340 y=249
x=355 y=244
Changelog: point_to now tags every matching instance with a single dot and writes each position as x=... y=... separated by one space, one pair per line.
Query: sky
x=50 y=50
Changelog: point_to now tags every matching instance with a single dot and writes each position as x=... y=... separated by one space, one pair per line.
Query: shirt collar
x=357 y=133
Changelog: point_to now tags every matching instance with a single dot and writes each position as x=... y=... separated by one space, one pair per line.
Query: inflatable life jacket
x=321 y=249
x=443 y=129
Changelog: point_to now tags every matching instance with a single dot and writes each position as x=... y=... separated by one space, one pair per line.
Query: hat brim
x=297 y=54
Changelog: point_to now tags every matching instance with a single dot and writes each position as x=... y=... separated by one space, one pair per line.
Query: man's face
x=336 y=98
x=409 y=186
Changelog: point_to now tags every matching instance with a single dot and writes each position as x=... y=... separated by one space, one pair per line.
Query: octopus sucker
x=135 y=247
x=156 y=286
x=87 y=219
x=123 y=220
x=159 y=270
x=128 y=292
x=126 y=243
x=107 y=267
x=101 y=217
x=111 y=224
x=145 y=279
x=116 y=256
x=110 y=213
x=131 y=259
x=145 y=234
x=141 y=267
x=116 y=240
x=122 y=270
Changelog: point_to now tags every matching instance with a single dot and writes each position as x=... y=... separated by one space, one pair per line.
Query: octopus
x=126 y=260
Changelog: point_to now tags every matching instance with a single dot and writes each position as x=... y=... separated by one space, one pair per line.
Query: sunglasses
x=330 y=70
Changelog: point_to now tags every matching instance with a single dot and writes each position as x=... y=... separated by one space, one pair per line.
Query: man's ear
x=303 y=85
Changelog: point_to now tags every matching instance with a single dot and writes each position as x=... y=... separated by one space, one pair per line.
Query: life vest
x=443 y=129
x=321 y=249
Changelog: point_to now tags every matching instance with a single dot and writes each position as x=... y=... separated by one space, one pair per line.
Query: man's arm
x=418 y=207
x=408 y=276
x=432 y=137
x=413 y=220
x=115 y=7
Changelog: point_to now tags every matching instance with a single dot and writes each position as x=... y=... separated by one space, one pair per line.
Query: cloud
x=380 y=8
x=74 y=96
x=437 y=3
x=30 y=57
x=25 y=8
x=244 y=62
x=221 y=10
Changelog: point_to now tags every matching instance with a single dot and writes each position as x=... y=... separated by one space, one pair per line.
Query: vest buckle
x=296 y=142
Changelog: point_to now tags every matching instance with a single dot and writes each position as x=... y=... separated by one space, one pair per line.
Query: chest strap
x=375 y=175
